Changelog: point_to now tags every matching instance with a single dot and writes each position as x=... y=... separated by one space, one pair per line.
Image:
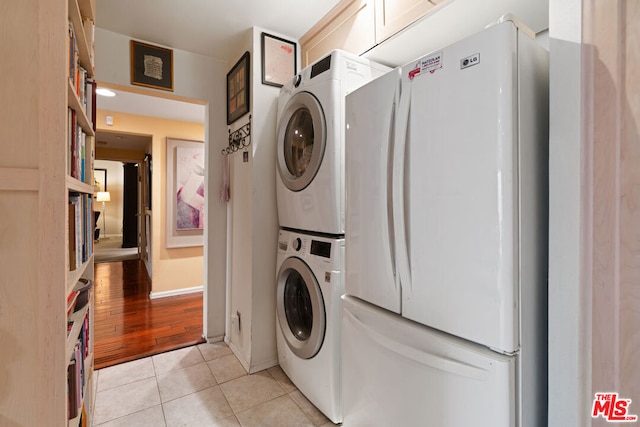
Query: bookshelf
x=80 y=146
x=38 y=345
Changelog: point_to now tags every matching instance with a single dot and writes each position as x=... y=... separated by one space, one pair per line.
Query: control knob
x=297 y=244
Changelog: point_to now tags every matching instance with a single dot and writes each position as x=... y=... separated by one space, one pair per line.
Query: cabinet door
x=349 y=26
x=393 y=15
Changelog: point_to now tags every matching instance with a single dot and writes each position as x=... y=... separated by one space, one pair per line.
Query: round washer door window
x=300 y=306
x=301 y=141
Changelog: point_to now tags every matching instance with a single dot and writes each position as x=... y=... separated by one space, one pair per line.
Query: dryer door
x=300 y=308
x=301 y=140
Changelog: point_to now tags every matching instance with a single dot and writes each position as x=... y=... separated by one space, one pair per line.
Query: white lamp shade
x=103 y=196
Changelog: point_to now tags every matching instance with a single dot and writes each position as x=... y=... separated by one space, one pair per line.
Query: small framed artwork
x=100 y=179
x=238 y=89
x=185 y=193
x=278 y=60
x=151 y=66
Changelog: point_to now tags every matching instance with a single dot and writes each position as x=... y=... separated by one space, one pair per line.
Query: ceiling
x=208 y=27
x=122 y=141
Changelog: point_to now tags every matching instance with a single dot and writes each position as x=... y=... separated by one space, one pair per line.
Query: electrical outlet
x=235 y=322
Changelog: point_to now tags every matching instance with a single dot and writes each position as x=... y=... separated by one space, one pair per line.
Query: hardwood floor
x=129 y=325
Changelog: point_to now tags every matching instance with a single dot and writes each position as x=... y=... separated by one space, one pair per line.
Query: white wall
x=240 y=214
x=265 y=218
x=254 y=222
x=569 y=298
x=200 y=78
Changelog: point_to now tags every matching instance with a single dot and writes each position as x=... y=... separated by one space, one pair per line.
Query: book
x=76 y=214
x=89 y=28
x=72 y=387
x=71 y=302
x=72 y=236
x=73 y=144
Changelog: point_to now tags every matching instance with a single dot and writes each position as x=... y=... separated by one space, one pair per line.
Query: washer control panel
x=304 y=244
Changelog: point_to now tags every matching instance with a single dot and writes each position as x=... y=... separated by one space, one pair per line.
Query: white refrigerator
x=445 y=312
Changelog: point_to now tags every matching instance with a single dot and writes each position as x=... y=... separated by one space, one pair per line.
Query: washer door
x=300 y=307
x=301 y=141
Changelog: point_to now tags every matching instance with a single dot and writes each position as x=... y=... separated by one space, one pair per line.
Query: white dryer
x=310 y=141
x=308 y=316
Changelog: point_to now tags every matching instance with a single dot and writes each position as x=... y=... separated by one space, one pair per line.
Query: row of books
x=79 y=148
x=76 y=375
x=80 y=229
x=84 y=86
x=78 y=75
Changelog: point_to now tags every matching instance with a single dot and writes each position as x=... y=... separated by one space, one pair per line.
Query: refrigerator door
x=462 y=198
x=398 y=373
x=369 y=235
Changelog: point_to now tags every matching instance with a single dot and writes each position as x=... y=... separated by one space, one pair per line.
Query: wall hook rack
x=239 y=138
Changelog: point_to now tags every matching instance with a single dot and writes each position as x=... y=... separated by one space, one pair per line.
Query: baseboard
x=154 y=295
x=245 y=364
x=263 y=366
x=239 y=356
x=212 y=340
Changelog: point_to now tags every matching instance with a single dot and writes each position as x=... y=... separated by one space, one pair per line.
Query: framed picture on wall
x=151 y=66
x=278 y=60
x=238 y=89
x=185 y=218
x=100 y=179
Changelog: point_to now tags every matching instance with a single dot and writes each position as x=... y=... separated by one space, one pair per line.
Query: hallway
x=129 y=325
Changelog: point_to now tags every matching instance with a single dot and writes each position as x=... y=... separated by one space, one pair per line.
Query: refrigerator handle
x=403 y=278
x=390 y=222
x=408 y=351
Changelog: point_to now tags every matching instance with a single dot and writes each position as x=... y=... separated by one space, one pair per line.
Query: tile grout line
x=286 y=394
x=159 y=395
x=218 y=385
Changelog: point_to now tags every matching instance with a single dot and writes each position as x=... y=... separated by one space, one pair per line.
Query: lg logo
x=470 y=61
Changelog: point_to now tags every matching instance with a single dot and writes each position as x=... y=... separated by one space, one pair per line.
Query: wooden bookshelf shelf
x=81 y=187
x=74 y=275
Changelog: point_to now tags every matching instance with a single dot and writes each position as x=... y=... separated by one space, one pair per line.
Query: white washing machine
x=308 y=316
x=310 y=144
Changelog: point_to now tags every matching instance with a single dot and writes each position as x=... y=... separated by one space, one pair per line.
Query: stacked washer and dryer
x=310 y=191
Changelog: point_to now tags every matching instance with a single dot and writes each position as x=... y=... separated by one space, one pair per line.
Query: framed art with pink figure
x=185 y=193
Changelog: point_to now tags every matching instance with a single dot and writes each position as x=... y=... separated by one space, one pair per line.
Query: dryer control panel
x=309 y=246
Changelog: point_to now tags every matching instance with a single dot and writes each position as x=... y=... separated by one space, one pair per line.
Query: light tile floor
x=203 y=385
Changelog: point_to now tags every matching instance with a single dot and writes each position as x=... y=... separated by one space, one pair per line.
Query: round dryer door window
x=300 y=308
x=301 y=141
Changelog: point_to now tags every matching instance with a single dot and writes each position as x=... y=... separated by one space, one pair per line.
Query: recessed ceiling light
x=105 y=92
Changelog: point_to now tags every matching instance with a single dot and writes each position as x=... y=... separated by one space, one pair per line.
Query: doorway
x=117 y=211
x=131 y=140
x=130 y=206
